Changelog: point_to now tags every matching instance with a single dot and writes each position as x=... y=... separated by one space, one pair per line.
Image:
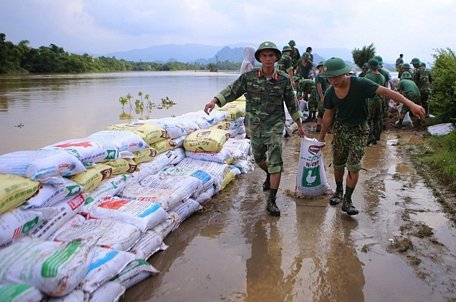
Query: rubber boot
x=347 y=207
x=336 y=198
x=267 y=183
x=272 y=208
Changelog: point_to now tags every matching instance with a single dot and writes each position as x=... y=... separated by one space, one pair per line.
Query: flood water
x=38 y=110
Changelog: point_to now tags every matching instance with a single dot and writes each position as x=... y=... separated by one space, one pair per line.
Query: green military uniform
x=422 y=78
x=295 y=55
x=304 y=67
x=285 y=63
x=375 y=119
x=350 y=122
x=324 y=85
x=265 y=99
x=408 y=88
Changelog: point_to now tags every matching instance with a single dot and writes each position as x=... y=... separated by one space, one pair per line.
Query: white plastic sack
x=186 y=209
x=149 y=244
x=49 y=195
x=41 y=165
x=126 y=142
x=311 y=180
x=86 y=150
x=19 y=293
x=55 y=268
x=440 y=129
x=135 y=272
x=108 y=292
x=112 y=234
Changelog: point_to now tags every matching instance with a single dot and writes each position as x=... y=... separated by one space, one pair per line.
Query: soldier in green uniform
x=304 y=67
x=346 y=105
x=295 y=55
x=375 y=118
x=285 y=64
x=399 y=62
x=408 y=88
x=266 y=90
x=364 y=70
x=423 y=79
x=387 y=76
x=321 y=85
x=404 y=68
x=305 y=90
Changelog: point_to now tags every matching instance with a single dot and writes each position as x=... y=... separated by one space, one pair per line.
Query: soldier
x=375 y=117
x=304 y=67
x=404 y=68
x=305 y=90
x=387 y=76
x=422 y=78
x=322 y=85
x=364 y=70
x=346 y=104
x=266 y=89
x=408 y=88
x=399 y=62
x=284 y=64
x=295 y=55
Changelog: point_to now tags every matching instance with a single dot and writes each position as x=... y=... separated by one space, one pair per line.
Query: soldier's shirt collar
x=274 y=76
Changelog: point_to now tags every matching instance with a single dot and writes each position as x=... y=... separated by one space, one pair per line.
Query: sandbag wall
x=80 y=218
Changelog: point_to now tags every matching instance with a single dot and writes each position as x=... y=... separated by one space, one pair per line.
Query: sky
x=97 y=27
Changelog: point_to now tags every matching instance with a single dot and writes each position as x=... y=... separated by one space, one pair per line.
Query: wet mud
x=401 y=247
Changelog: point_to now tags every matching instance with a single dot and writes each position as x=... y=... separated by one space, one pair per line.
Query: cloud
x=102 y=26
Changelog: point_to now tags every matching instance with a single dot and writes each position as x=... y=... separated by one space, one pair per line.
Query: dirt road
x=401 y=247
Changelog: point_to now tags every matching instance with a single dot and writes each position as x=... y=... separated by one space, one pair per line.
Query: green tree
x=363 y=55
x=443 y=98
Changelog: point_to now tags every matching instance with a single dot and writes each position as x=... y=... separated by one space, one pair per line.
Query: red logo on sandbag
x=314 y=149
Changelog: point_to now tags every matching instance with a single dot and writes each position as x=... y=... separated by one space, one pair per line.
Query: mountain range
x=204 y=54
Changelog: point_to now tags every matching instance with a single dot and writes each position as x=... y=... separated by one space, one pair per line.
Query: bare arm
x=210 y=106
x=327 y=121
x=417 y=110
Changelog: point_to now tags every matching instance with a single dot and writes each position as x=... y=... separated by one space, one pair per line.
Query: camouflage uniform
x=375 y=119
x=422 y=78
x=350 y=126
x=324 y=85
x=306 y=90
x=285 y=63
x=410 y=90
x=265 y=112
x=303 y=68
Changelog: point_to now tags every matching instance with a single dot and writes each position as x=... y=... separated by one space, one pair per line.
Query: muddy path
x=401 y=247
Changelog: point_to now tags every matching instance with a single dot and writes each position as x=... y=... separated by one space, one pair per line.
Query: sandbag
x=125 y=142
x=108 y=292
x=206 y=140
x=149 y=244
x=49 y=195
x=15 y=190
x=311 y=179
x=54 y=268
x=19 y=293
x=149 y=132
x=86 y=150
x=135 y=272
x=93 y=177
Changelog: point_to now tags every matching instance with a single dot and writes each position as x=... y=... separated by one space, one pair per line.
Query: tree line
x=21 y=58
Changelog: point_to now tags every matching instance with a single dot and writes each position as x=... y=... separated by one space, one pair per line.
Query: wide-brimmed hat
x=286 y=48
x=334 y=67
x=406 y=76
x=268 y=45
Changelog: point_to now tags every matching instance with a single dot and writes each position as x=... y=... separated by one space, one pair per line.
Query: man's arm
x=417 y=110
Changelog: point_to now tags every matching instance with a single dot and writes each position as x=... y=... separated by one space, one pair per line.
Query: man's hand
x=210 y=106
x=418 y=111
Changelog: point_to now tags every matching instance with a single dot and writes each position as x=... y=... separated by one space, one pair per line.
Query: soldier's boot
x=336 y=198
x=347 y=207
x=272 y=207
x=267 y=183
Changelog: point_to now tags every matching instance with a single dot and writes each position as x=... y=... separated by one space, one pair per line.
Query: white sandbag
x=206 y=195
x=126 y=142
x=107 y=188
x=49 y=195
x=200 y=117
x=64 y=211
x=76 y=295
x=142 y=214
x=86 y=150
x=440 y=129
x=106 y=264
x=112 y=234
x=135 y=272
x=108 y=292
x=166 y=190
x=18 y=223
x=171 y=125
x=40 y=165
x=311 y=179
x=186 y=209
x=55 y=268
x=15 y=190
x=206 y=179
x=232 y=149
x=149 y=244
x=167 y=226
x=149 y=132
x=217 y=116
x=244 y=165
x=10 y=292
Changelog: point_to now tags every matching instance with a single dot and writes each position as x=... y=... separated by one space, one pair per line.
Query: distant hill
x=204 y=54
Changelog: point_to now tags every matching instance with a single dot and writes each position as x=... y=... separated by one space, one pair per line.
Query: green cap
x=406 y=66
x=415 y=61
x=320 y=64
x=379 y=59
x=373 y=63
x=267 y=45
x=292 y=43
x=286 y=48
x=406 y=76
x=334 y=67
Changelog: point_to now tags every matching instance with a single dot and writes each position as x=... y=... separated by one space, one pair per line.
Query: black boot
x=267 y=183
x=272 y=208
x=336 y=198
x=347 y=207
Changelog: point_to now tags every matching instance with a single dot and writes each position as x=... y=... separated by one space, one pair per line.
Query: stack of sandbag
x=118 y=193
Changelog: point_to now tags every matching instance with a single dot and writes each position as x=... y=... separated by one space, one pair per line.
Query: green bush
x=443 y=98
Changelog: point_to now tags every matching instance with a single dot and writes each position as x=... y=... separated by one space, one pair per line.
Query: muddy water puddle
x=234 y=251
